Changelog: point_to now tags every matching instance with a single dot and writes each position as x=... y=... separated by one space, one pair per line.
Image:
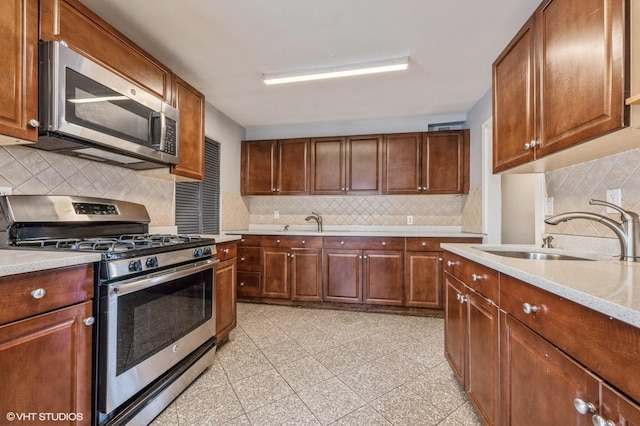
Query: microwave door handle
x=155 y=143
x=163 y=131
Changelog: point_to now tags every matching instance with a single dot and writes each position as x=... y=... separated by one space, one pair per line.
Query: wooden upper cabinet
x=561 y=81
x=19 y=71
x=86 y=32
x=401 y=173
x=445 y=162
x=427 y=163
x=190 y=103
x=327 y=166
x=275 y=167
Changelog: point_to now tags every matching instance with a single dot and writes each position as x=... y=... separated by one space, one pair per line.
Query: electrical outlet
x=614 y=196
x=5 y=190
x=409 y=220
x=549 y=207
x=276 y=214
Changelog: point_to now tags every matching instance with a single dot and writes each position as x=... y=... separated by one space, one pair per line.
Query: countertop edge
x=511 y=267
x=15 y=261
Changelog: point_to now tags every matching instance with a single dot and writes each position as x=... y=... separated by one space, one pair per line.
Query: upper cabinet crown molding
x=561 y=82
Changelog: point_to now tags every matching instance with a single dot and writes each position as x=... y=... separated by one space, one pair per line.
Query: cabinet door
x=364 y=165
x=539 y=382
x=617 y=408
x=401 y=173
x=423 y=280
x=19 y=71
x=383 y=277
x=190 y=103
x=343 y=276
x=483 y=367
x=445 y=162
x=306 y=275
x=258 y=167
x=225 y=298
x=581 y=89
x=275 y=272
x=514 y=101
x=327 y=166
x=248 y=284
x=454 y=326
x=293 y=167
x=46 y=364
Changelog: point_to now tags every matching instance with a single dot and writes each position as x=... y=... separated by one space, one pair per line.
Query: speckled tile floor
x=298 y=366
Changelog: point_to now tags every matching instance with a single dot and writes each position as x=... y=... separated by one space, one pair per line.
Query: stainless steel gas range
x=155 y=305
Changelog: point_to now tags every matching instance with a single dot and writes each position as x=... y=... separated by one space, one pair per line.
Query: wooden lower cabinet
x=539 y=382
x=276 y=273
x=306 y=275
x=46 y=366
x=617 y=408
x=343 y=276
x=226 y=275
x=455 y=319
x=423 y=279
x=248 y=284
x=383 y=277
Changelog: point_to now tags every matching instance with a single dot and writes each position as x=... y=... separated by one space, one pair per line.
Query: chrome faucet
x=546 y=242
x=628 y=232
x=315 y=216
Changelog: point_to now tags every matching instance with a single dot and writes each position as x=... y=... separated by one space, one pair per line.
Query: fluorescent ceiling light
x=397 y=64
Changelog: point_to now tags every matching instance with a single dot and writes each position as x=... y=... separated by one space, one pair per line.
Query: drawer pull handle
x=225 y=251
x=476 y=277
x=451 y=263
x=598 y=420
x=528 y=309
x=38 y=293
x=241 y=284
x=583 y=407
x=89 y=321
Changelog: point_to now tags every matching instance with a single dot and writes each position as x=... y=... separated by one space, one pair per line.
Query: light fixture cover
x=396 y=64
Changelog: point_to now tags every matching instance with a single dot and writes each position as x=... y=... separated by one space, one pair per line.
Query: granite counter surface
x=18 y=261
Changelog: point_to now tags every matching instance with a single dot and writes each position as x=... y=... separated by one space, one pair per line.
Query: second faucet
x=315 y=216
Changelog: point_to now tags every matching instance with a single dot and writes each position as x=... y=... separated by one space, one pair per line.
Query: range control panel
x=95 y=208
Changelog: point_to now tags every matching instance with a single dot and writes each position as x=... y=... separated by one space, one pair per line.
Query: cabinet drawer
x=364 y=243
x=433 y=244
x=225 y=251
x=288 y=241
x=248 y=284
x=603 y=343
x=249 y=241
x=19 y=294
x=480 y=278
x=249 y=259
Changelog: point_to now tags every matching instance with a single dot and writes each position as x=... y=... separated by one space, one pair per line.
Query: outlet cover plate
x=5 y=190
x=614 y=196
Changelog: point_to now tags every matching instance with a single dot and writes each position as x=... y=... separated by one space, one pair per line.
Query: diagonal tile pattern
x=325 y=367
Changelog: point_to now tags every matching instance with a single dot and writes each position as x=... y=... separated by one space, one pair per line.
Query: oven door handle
x=137 y=284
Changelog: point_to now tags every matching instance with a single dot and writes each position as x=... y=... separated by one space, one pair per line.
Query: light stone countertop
x=18 y=261
x=355 y=231
x=607 y=285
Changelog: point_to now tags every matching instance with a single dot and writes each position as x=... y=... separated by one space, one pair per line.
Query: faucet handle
x=626 y=215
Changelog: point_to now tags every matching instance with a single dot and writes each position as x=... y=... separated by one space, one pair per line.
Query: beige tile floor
x=299 y=366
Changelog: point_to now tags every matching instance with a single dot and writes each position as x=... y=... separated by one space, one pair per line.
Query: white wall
x=386 y=125
x=229 y=134
x=476 y=116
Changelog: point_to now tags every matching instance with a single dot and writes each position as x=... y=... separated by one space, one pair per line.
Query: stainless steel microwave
x=89 y=111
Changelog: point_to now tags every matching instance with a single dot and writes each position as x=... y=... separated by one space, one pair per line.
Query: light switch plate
x=276 y=214
x=614 y=196
x=409 y=220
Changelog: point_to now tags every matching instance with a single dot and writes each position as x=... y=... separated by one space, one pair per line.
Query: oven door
x=148 y=325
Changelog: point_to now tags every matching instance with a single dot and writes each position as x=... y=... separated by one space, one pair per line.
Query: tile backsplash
x=572 y=188
x=427 y=210
x=32 y=171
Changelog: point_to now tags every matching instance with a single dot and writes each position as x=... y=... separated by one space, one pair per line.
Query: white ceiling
x=222 y=47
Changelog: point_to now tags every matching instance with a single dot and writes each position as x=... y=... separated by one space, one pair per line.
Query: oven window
x=153 y=319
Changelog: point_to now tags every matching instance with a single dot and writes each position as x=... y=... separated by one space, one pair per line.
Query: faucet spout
x=628 y=232
x=317 y=218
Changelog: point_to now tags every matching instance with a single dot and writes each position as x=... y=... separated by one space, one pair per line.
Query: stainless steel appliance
x=155 y=303
x=89 y=111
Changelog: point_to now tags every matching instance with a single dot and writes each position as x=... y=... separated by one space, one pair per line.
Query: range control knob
x=152 y=262
x=135 y=266
x=207 y=251
x=197 y=252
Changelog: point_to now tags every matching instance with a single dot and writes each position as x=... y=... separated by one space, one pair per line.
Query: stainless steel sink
x=533 y=255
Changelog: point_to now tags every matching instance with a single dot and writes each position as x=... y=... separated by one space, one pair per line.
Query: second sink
x=532 y=255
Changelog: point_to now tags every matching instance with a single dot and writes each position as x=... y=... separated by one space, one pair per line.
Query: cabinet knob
x=529 y=309
x=598 y=420
x=273 y=190
x=225 y=251
x=241 y=284
x=89 y=321
x=277 y=241
x=242 y=240
x=34 y=123
x=451 y=263
x=242 y=259
x=384 y=243
x=419 y=188
x=439 y=259
x=424 y=244
x=531 y=145
x=293 y=255
x=461 y=298
x=342 y=189
x=583 y=407
x=359 y=257
x=476 y=277
x=38 y=293
x=342 y=242
x=304 y=242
